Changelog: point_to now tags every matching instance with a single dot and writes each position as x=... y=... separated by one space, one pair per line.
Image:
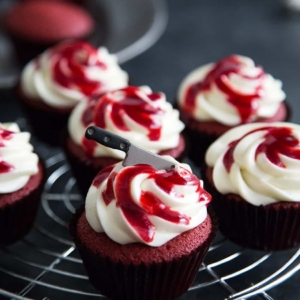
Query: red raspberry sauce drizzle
x=278 y=140
x=69 y=61
x=118 y=187
x=5 y=135
x=147 y=114
x=246 y=105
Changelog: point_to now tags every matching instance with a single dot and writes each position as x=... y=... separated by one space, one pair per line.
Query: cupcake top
x=136 y=113
x=231 y=91
x=17 y=160
x=71 y=72
x=141 y=204
x=259 y=162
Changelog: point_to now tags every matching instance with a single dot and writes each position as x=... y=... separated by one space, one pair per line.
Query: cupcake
x=252 y=172
x=144 y=231
x=219 y=96
x=143 y=117
x=53 y=83
x=35 y=26
x=21 y=183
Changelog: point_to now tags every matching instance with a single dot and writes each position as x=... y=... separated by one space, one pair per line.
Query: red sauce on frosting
x=5 y=167
x=69 y=61
x=246 y=104
x=278 y=140
x=129 y=101
x=118 y=187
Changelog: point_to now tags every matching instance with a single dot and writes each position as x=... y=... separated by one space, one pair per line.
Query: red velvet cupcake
x=219 y=96
x=35 y=26
x=252 y=172
x=144 y=230
x=143 y=117
x=22 y=179
x=69 y=73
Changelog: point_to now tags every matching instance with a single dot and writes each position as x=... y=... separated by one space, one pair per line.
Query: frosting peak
x=260 y=162
x=142 y=204
x=71 y=72
x=232 y=91
x=17 y=162
x=136 y=113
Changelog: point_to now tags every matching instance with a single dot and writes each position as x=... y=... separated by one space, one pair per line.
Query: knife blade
x=134 y=154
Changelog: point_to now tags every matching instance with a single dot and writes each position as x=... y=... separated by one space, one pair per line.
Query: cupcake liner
x=271 y=227
x=166 y=280
x=199 y=141
x=17 y=219
x=47 y=123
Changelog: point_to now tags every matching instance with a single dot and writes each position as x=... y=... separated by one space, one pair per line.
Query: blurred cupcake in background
x=53 y=83
x=22 y=176
x=34 y=26
x=219 y=96
x=143 y=117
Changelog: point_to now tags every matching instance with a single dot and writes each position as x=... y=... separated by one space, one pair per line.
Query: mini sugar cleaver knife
x=134 y=155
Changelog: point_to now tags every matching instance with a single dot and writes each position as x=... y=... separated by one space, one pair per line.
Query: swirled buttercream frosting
x=136 y=113
x=260 y=162
x=141 y=204
x=231 y=91
x=71 y=72
x=17 y=161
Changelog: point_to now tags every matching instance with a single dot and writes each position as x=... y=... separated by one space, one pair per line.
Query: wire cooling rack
x=46 y=265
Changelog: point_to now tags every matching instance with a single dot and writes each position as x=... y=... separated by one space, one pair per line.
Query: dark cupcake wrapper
x=17 y=219
x=271 y=227
x=166 y=280
x=200 y=141
x=46 y=124
x=83 y=171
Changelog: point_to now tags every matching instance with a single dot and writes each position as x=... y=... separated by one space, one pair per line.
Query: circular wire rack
x=46 y=265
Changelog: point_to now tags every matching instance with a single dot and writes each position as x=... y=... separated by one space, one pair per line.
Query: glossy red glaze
x=131 y=104
x=246 y=105
x=119 y=188
x=5 y=167
x=69 y=61
x=278 y=140
x=102 y=175
x=5 y=135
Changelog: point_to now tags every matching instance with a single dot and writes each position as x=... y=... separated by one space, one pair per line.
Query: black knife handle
x=106 y=138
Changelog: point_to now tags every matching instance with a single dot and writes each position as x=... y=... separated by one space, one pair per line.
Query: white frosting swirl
x=241 y=79
x=107 y=205
x=160 y=113
x=71 y=72
x=265 y=163
x=16 y=154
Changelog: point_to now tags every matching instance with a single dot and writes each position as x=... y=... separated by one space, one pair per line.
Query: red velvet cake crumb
x=33 y=183
x=137 y=253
